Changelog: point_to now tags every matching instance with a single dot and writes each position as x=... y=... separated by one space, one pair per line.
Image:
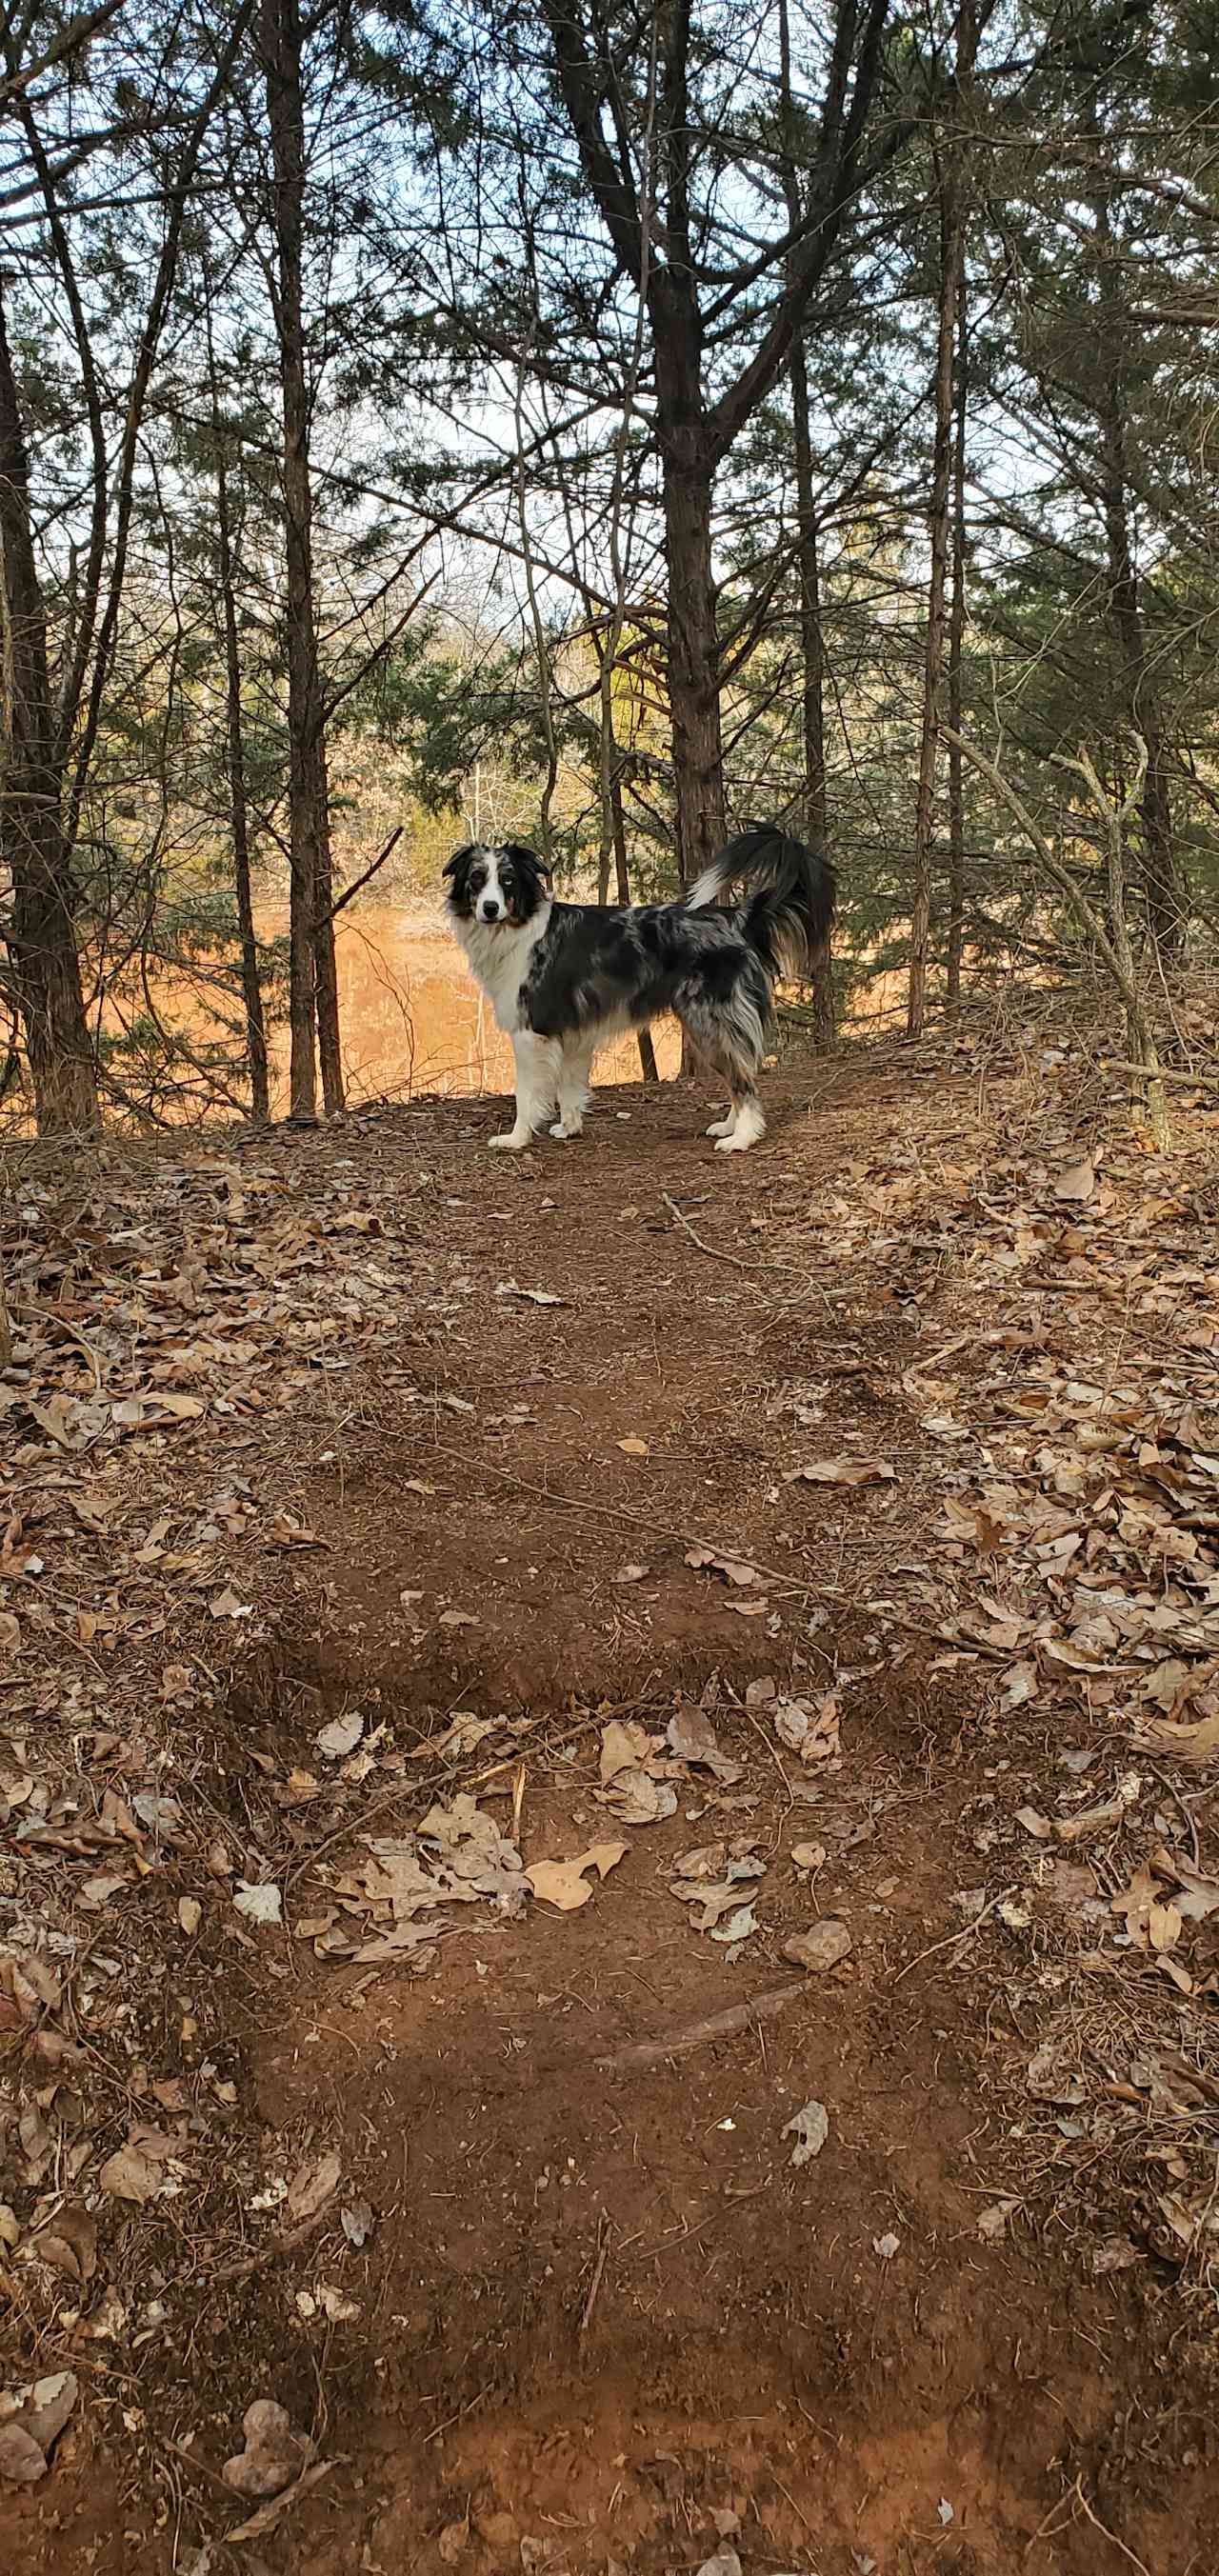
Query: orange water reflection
x=413 y=1021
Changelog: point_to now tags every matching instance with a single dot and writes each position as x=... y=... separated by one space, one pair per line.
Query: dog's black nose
x=489 y=908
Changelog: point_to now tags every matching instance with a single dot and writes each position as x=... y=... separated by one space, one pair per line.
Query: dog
x=565 y=978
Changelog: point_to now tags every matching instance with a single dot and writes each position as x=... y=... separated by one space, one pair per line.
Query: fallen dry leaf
x=1034 y=1823
x=811 y=1729
x=190 y=1914
x=31 y=2429
x=1076 y=1181
x=634 y=1447
x=733 y=1568
x=227 y=1605
x=68 y=2242
x=692 y=1738
x=624 y=1747
x=535 y=1296
x=313 y=2184
x=1195 y=1743
x=810 y=2127
x=637 y=1799
x=136 y=2170
x=1196 y=1896
x=841 y=1471
x=260 y=1902
x=565 y=1883
x=738 y=1927
x=341 y=1736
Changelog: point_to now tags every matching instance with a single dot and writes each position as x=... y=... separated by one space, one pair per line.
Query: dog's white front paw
x=736 y=1144
x=721 y=1126
x=512 y=1144
x=566 y=1128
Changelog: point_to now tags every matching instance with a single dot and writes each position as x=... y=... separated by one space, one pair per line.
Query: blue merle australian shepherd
x=565 y=978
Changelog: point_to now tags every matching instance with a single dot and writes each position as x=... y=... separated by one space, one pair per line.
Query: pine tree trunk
x=43 y=956
x=812 y=650
x=956 y=643
x=694 y=689
x=812 y=660
x=329 y=1028
x=312 y=982
x=952 y=266
x=647 y=1052
x=251 y=985
x=1162 y=888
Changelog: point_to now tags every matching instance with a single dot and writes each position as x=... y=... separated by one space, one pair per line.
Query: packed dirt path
x=602 y=1490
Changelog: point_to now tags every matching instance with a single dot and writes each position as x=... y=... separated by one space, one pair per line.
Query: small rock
x=273 y=2454
x=21 y=2459
x=821 y=1947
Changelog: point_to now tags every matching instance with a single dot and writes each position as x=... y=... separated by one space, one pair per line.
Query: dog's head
x=502 y=881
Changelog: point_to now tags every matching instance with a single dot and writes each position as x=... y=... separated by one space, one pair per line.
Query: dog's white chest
x=499 y=958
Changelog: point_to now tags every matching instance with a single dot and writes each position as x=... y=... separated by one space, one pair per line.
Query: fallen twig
x=966 y=1932
x=272 y=2513
x=51 y=1315
x=598 y=2269
x=642 y=1520
x=1103 y=2527
x=709 y=1248
x=699 y=2034
x=1167 y=1072
x=1178 y=1800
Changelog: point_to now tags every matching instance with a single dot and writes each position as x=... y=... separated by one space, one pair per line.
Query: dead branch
x=1114 y=948
x=700 y=2034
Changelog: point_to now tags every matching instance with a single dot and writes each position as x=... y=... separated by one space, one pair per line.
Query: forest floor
x=819 y=1542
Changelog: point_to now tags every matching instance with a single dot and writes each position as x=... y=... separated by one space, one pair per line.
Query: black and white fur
x=565 y=978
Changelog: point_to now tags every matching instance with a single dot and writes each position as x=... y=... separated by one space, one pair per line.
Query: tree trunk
x=325 y=961
x=251 y=985
x=956 y=642
x=812 y=692
x=312 y=979
x=694 y=689
x=43 y=956
x=952 y=262
x=812 y=652
x=647 y=1052
x=1162 y=887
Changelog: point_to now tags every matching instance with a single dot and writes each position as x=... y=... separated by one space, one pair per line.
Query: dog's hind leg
x=748 y=1124
x=575 y=1068
x=731 y=1034
x=537 y=1085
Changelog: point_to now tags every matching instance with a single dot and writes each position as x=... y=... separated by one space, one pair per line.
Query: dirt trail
x=598 y=2318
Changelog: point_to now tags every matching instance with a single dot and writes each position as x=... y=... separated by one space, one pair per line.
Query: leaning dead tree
x=1110 y=938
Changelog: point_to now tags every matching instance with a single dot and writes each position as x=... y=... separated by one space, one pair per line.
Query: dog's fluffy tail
x=788 y=915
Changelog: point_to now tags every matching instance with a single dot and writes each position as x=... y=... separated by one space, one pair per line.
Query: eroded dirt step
x=566 y=2245
x=750 y=2351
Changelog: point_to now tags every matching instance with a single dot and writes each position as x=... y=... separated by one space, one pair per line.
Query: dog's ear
x=458 y=859
x=529 y=859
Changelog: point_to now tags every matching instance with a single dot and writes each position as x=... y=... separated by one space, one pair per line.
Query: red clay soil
x=602 y=2321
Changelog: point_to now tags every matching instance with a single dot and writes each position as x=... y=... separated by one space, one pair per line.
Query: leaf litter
x=1073 y=1572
